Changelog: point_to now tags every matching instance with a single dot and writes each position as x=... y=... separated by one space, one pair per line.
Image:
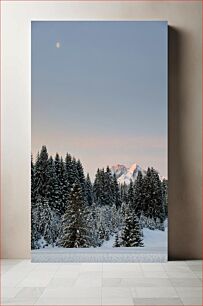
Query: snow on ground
x=155 y=238
x=155 y=250
x=108 y=244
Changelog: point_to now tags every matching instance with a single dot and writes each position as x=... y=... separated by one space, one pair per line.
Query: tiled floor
x=172 y=283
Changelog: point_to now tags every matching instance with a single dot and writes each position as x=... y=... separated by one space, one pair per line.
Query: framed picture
x=99 y=182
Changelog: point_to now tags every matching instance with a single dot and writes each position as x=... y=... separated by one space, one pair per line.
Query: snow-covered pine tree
x=151 y=224
x=116 y=192
x=124 y=193
x=143 y=220
x=114 y=219
x=107 y=188
x=93 y=224
x=103 y=234
x=32 y=182
x=131 y=194
x=53 y=188
x=69 y=171
x=75 y=231
x=63 y=187
x=62 y=182
x=81 y=177
x=35 y=235
x=159 y=225
x=47 y=223
x=116 y=243
x=40 y=174
x=104 y=223
x=98 y=188
x=131 y=235
x=138 y=195
x=165 y=195
x=159 y=211
x=42 y=221
x=89 y=190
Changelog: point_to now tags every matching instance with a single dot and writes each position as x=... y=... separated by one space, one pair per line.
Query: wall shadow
x=184 y=237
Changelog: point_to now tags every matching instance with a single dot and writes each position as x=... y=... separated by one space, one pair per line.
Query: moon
x=58 y=45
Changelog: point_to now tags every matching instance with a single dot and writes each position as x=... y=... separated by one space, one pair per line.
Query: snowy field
x=155 y=250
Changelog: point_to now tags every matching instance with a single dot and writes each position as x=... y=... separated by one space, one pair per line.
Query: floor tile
x=9 y=292
x=117 y=301
x=21 y=301
x=192 y=301
x=179 y=274
x=196 y=268
x=189 y=291
x=91 y=267
x=61 y=282
x=116 y=292
x=157 y=301
x=122 y=274
x=36 y=279
x=152 y=267
x=185 y=282
x=155 y=274
x=122 y=267
x=146 y=282
x=72 y=292
x=171 y=283
x=176 y=268
x=154 y=292
x=111 y=282
x=28 y=292
x=193 y=262
x=69 y=301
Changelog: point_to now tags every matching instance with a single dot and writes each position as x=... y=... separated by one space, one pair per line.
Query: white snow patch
x=155 y=238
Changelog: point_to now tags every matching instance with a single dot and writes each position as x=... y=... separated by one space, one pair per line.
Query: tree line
x=70 y=211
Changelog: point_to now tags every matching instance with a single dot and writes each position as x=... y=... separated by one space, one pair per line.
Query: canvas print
x=99 y=183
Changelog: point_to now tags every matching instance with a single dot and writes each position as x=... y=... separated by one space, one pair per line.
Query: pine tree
x=35 y=235
x=131 y=233
x=75 y=231
x=107 y=187
x=165 y=195
x=81 y=177
x=69 y=172
x=47 y=223
x=124 y=193
x=114 y=219
x=131 y=194
x=63 y=187
x=93 y=224
x=53 y=192
x=138 y=194
x=89 y=190
x=116 y=192
x=116 y=243
x=153 y=206
x=40 y=175
x=151 y=224
x=32 y=183
x=98 y=188
x=62 y=182
x=159 y=211
x=42 y=222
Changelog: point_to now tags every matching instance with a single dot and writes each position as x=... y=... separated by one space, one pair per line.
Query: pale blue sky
x=102 y=96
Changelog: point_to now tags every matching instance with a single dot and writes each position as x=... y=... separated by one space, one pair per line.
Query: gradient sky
x=101 y=96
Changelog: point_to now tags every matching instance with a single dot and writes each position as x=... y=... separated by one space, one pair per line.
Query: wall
x=184 y=113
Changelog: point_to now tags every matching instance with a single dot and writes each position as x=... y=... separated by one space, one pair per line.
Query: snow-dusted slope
x=124 y=174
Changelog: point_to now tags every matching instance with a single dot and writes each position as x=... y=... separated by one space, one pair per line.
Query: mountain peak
x=133 y=167
x=126 y=174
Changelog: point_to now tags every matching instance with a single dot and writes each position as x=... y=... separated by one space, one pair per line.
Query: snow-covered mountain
x=125 y=174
